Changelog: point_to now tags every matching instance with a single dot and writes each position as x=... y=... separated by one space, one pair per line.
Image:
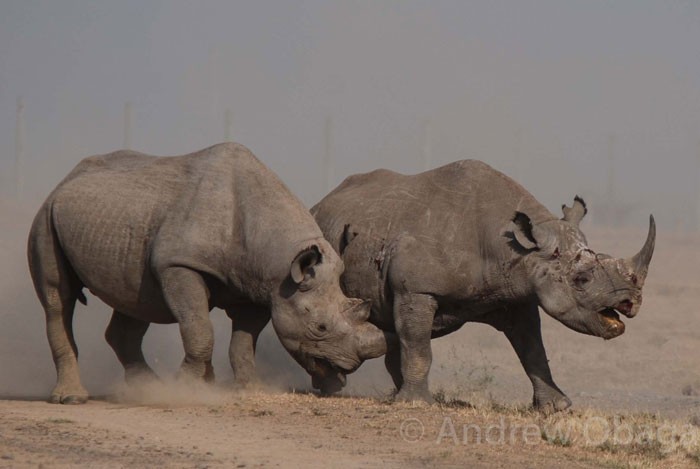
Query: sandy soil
x=290 y=430
x=648 y=376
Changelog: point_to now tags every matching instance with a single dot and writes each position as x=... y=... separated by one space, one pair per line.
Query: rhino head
x=584 y=290
x=327 y=333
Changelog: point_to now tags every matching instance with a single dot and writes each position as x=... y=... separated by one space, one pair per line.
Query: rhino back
x=453 y=216
x=462 y=204
x=121 y=216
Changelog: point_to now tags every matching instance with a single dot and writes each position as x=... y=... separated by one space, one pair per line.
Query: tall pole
x=19 y=149
x=427 y=150
x=612 y=206
x=127 y=126
x=328 y=152
x=228 y=123
x=518 y=155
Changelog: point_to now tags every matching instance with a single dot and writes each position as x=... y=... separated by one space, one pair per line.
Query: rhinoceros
x=166 y=239
x=463 y=243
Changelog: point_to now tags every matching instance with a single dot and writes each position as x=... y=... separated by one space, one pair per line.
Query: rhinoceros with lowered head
x=463 y=243
x=166 y=239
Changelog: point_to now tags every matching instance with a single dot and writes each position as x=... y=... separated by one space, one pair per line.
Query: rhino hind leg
x=58 y=289
x=125 y=335
x=413 y=318
x=59 y=329
x=522 y=328
x=246 y=325
x=187 y=297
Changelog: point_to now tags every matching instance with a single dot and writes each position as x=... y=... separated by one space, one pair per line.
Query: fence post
x=19 y=149
x=427 y=149
x=328 y=152
x=228 y=123
x=127 y=126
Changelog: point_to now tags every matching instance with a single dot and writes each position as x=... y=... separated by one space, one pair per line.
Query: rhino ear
x=348 y=236
x=576 y=212
x=523 y=231
x=303 y=264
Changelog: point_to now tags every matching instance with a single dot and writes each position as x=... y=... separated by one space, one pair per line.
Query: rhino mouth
x=327 y=377
x=325 y=369
x=610 y=319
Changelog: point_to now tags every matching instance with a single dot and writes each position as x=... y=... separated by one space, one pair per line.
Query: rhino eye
x=555 y=254
x=582 y=279
x=634 y=279
x=321 y=328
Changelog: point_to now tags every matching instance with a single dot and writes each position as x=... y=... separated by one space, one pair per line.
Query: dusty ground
x=648 y=378
x=302 y=430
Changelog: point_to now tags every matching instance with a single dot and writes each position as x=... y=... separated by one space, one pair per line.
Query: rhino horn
x=372 y=342
x=576 y=212
x=357 y=311
x=640 y=261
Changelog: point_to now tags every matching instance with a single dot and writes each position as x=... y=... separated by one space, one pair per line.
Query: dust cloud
x=596 y=98
x=27 y=370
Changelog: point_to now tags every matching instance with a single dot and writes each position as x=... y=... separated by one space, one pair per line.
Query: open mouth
x=326 y=377
x=611 y=318
x=325 y=370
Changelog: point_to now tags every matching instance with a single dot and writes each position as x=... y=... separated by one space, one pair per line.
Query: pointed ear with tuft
x=576 y=212
x=523 y=231
x=303 y=264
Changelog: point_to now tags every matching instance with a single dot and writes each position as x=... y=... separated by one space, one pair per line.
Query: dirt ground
x=645 y=383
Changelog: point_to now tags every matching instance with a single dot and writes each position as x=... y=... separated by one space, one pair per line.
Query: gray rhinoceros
x=166 y=239
x=466 y=243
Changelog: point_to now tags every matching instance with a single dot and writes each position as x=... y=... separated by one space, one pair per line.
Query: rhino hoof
x=557 y=404
x=414 y=396
x=72 y=400
x=68 y=400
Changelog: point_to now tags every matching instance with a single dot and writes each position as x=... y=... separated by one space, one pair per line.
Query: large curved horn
x=640 y=261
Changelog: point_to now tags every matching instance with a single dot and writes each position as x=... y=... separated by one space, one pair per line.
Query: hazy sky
x=535 y=88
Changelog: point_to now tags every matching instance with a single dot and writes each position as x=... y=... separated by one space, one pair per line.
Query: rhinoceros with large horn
x=466 y=243
x=166 y=239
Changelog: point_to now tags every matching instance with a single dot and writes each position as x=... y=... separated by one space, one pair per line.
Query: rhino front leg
x=125 y=335
x=523 y=330
x=392 y=362
x=187 y=298
x=247 y=324
x=413 y=318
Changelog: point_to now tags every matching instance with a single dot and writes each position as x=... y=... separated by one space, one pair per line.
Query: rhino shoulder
x=381 y=175
x=465 y=168
x=228 y=153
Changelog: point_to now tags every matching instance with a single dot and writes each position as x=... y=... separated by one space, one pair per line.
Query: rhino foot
x=247 y=384
x=139 y=375
x=69 y=399
x=407 y=394
x=68 y=394
x=552 y=404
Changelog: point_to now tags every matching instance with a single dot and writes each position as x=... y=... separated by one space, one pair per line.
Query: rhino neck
x=272 y=226
x=508 y=270
x=261 y=273
x=509 y=277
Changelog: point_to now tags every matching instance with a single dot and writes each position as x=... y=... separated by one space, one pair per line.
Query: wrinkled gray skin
x=166 y=239
x=466 y=243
